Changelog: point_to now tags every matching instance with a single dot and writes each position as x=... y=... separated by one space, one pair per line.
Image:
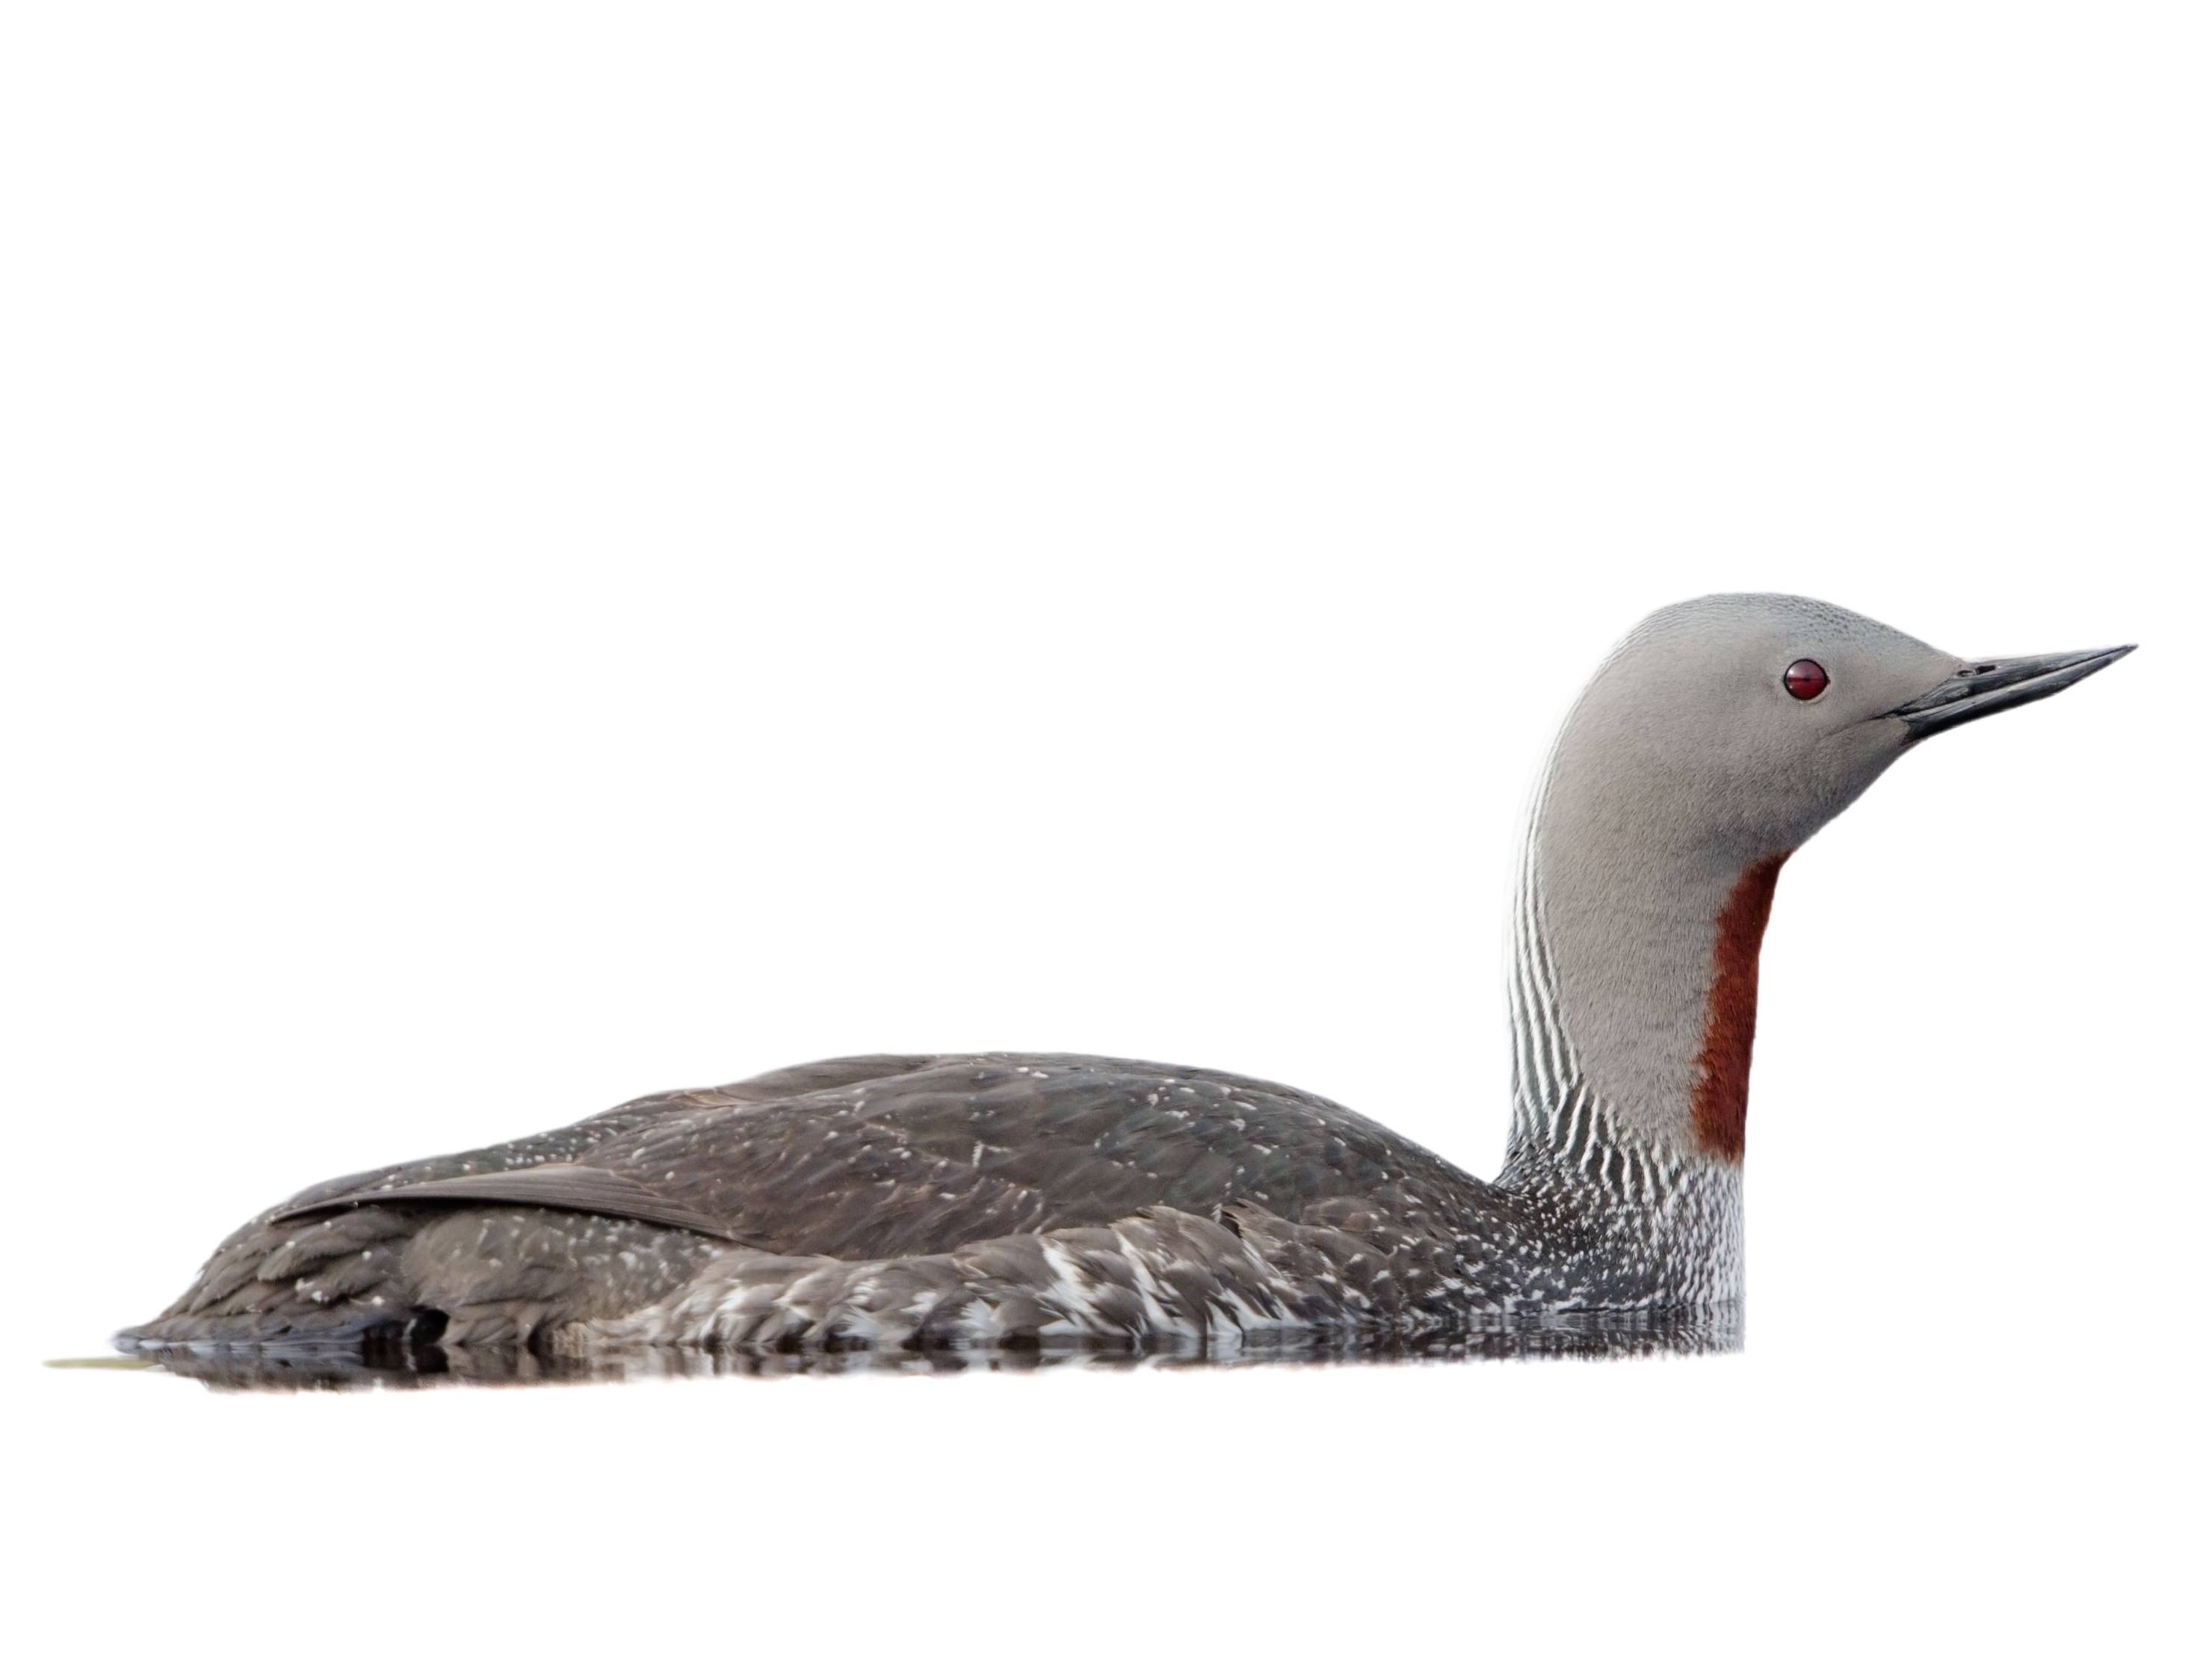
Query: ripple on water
x=391 y=1365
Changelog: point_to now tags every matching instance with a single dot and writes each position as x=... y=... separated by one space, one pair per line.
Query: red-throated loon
x=964 y=1200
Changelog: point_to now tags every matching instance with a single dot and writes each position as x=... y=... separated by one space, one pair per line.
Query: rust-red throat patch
x=1723 y=1088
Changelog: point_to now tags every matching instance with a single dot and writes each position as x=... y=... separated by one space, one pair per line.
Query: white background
x=558 y=552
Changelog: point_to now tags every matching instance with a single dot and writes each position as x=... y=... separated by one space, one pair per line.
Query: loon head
x=1745 y=721
x=1719 y=735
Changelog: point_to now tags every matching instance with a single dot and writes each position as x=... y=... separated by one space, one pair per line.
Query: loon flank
x=957 y=1200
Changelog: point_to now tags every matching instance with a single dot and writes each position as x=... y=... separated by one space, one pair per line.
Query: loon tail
x=409 y=1272
x=273 y=1283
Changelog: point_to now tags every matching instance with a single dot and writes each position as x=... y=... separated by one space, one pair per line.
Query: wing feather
x=549 y=1186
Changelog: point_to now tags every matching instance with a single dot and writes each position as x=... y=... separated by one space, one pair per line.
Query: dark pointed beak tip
x=1981 y=689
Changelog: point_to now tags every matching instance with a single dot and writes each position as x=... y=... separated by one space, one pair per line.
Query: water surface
x=395 y=1365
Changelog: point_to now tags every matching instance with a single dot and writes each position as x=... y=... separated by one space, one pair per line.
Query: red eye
x=1805 y=679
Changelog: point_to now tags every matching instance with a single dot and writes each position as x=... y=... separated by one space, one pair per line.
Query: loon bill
x=955 y=1201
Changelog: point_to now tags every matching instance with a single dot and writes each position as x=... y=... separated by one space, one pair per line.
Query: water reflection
x=1550 y=1336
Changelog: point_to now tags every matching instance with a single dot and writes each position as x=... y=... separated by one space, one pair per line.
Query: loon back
x=876 y=1162
x=891 y=1155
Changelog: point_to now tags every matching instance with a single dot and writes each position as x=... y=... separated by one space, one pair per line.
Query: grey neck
x=1616 y=944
